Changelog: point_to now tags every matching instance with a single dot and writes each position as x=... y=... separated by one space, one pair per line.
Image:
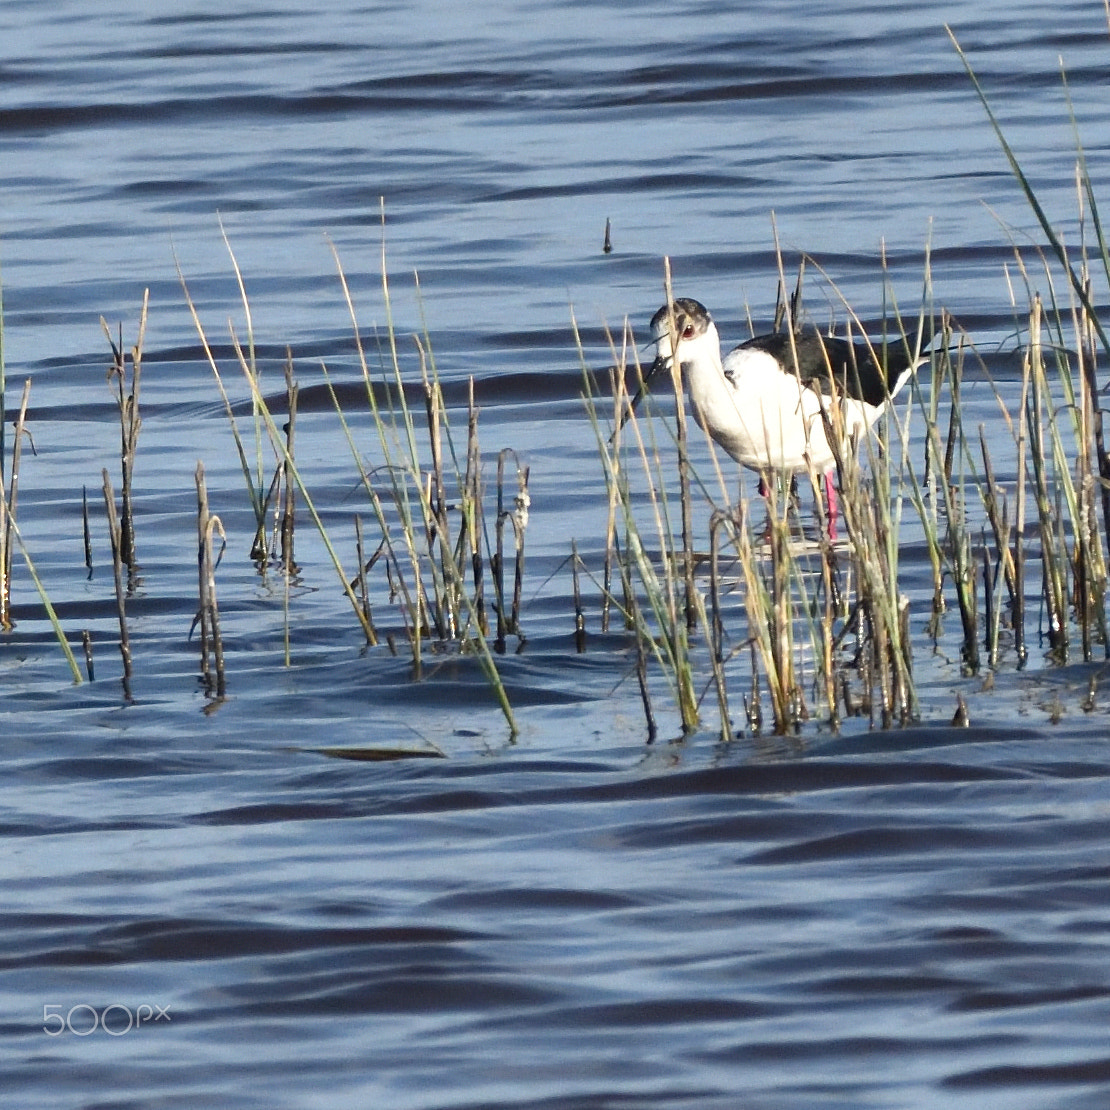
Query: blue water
x=576 y=918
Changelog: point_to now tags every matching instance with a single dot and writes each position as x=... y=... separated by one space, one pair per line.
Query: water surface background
x=577 y=919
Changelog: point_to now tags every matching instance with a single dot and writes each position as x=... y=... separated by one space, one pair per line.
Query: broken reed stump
x=208 y=614
x=86 y=531
x=579 y=614
x=127 y=397
x=86 y=643
x=114 y=534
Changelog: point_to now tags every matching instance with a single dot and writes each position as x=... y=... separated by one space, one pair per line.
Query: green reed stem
x=1031 y=197
x=51 y=614
x=254 y=493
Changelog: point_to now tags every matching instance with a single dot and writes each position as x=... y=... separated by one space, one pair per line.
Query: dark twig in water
x=579 y=616
x=85 y=530
x=86 y=643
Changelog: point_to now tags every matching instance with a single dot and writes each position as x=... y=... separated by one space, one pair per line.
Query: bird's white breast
x=763 y=416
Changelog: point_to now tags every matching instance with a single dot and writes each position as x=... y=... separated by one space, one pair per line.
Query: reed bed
x=829 y=629
x=436 y=553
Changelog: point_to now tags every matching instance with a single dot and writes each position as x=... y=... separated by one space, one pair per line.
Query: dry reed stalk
x=719 y=522
x=620 y=397
x=471 y=538
x=254 y=491
x=1020 y=495
x=5 y=562
x=440 y=606
x=1089 y=555
x=127 y=398
x=208 y=613
x=508 y=622
x=997 y=514
x=641 y=654
x=9 y=500
x=994 y=499
x=519 y=516
x=691 y=608
x=619 y=392
x=363 y=583
x=1094 y=419
x=433 y=504
x=116 y=537
x=289 y=505
x=1053 y=568
x=764 y=628
x=626 y=586
x=786 y=694
x=3 y=392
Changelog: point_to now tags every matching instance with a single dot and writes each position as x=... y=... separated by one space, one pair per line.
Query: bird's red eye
x=688 y=332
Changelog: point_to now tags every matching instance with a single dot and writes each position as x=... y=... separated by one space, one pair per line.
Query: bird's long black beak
x=660 y=365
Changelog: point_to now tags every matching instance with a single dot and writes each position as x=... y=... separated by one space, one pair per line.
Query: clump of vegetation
x=829 y=629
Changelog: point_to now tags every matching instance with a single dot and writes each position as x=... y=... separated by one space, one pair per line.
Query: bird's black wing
x=825 y=358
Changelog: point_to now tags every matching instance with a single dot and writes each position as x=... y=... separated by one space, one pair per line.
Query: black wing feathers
x=854 y=369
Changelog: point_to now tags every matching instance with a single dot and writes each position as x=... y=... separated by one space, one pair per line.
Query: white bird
x=767 y=402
